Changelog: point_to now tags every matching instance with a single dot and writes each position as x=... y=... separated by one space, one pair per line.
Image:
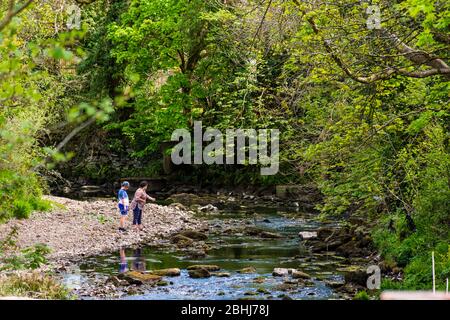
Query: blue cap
x=125 y=184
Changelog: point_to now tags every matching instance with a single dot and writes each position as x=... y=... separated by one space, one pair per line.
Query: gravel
x=87 y=228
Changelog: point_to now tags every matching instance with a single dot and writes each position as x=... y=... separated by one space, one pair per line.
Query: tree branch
x=418 y=57
x=11 y=13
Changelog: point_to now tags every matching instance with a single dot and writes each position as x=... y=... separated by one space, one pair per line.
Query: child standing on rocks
x=137 y=205
x=124 y=204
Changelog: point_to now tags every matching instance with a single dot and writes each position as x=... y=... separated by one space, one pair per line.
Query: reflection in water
x=123 y=265
x=139 y=261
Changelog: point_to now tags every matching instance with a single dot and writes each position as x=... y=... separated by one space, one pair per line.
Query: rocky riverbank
x=79 y=231
x=75 y=229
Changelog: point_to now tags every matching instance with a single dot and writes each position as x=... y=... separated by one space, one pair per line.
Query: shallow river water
x=232 y=253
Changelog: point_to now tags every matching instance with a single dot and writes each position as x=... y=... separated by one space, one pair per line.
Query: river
x=231 y=252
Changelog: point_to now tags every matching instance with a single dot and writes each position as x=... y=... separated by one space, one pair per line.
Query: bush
x=361 y=295
x=20 y=194
x=33 y=285
x=22 y=209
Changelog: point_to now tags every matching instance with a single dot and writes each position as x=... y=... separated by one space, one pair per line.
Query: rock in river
x=296 y=274
x=247 y=270
x=182 y=241
x=135 y=277
x=281 y=272
x=305 y=235
x=208 y=267
x=199 y=273
x=208 y=208
x=171 y=272
x=195 y=235
x=355 y=274
x=221 y=274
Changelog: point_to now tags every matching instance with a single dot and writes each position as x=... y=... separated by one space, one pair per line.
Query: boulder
x=199 y=273
x=281 y=272
x=259 y=280
x=306 y=235
x=247 y=270
x=252 y=231
x=116 y=281
x=263 y=291
x=138 y=278
x=208 y=267
x=170 y=272
x=221 y=274
x=195 y=235
x=181 y=241
x=355 y=275
x=208 y=208
x=297 y=274
x=334 y=284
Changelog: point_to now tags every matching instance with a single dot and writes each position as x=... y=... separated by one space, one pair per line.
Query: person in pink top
x=137 y=205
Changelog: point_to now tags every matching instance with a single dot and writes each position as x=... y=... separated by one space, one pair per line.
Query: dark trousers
x=137 y=216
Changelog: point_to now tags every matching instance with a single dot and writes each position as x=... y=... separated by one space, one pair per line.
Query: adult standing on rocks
x=137 y=205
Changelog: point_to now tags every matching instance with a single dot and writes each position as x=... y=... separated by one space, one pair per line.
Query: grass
x=33 y=285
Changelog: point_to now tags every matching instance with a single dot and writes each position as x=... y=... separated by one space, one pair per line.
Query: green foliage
x=13 y=258
x=33 y=285
x=20 y=195
x=358 y=113
x=361 y=295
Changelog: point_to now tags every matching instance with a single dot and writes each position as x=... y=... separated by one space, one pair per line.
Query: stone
x=208 y=208
x=208 y=267
x=305 y=235
x=181 y=241
x=259 y=280
x=355 y=275
x=263 y=291
x=170 y=272
x=116 y=281
x=252 y=231
x=334 y=284
x=195 y=235
x=281 y=272
x=296 y=274
x=136 y=277
x=199 y=273
x=247 y=270
x=221 y=274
